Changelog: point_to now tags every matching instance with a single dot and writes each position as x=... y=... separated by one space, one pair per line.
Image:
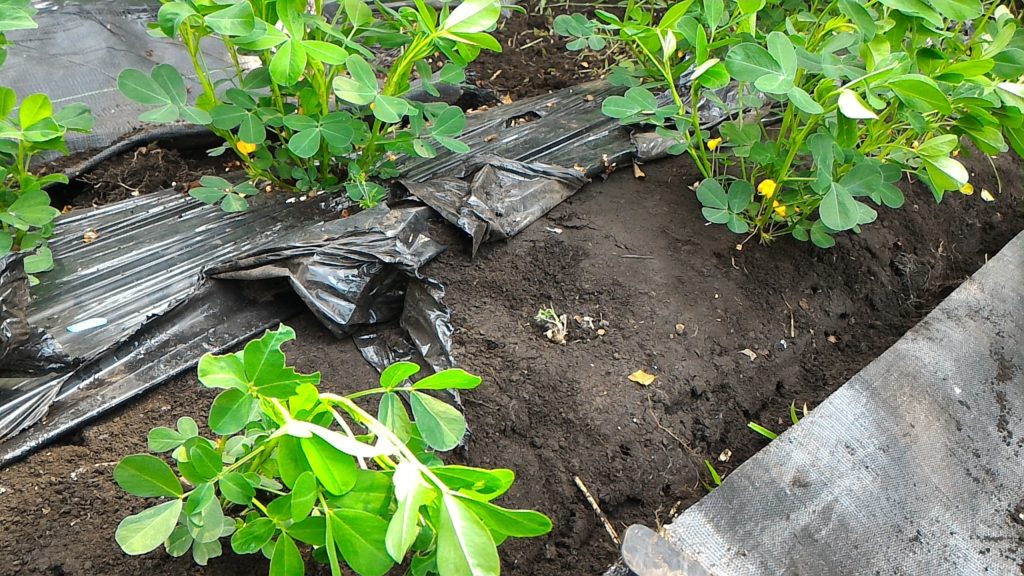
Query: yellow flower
x=714 y=143
x=246 y=148
x=767 y=188
x=779 y=208
x=967 y=189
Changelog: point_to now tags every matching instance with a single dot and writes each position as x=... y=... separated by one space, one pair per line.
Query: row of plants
x=840 y=100
x=27 y=130
x=290 y=466
x=300 y=103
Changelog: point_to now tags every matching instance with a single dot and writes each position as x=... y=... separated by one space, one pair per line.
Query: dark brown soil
x=636 y=258
x=142 y=170
x=630 y=258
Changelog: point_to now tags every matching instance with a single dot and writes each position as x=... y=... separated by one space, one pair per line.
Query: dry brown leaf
x=642 y=378
x=832 y=339
x=749 y=354
x=637 y=172
x=90 y=236
x=680 y=328
x=725 y=455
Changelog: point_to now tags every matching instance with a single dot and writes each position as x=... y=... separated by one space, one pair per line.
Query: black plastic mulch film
x=159 y=286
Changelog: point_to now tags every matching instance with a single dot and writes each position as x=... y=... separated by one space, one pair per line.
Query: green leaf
x=291 y=461
x=163 y=439
x=464 y=545
x=146 y=475
x=137 y=86
x=395 y=374
x=372 y=493
x=39 y=261
x=305 y=144
x=303 y=496
x=472 y=16
x=961 y=10
x=253 y=536
x=16 y=17
x=450 y=379
x=325 y=52
x=286 y=560
x=146 y=531
x=358 y=13
x=203 y=551
x=312 y=530
x=392 y=414
x=34 y=108
x=942 y=145
x=411 y=492
x=75 y=117
x=169 y=80
x=916 y=8
x=802 y=100
x=747 y=62
x=441 y=425
x=945 y=173
x=237 y=489
x=6 y=242
x=361 y=88
x=205 y=461
x=335 y=470
x=235 y=20
x=206 y=521
x=821 y=236
x=288 y=63
x=838 y=208
x=714 y=200
x=853 y=106
x=487 y=484
x=222 y=371
x=390 y=109
x=231 y=411
x=781 y=49
x=179 y=542
x=360 y=536
x=265 y=365
x=516 y=523
x=920 y=93
x=860 y=16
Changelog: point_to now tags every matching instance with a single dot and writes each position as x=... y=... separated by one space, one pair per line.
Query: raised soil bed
x=671 y=296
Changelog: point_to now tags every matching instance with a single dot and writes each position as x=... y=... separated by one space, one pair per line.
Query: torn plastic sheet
x=351 y=271
x=503 y=197
x=146 y=260
x=25 y=350
x=133 y=291
x=911 y=467
x=422 y=335
x=531 y=155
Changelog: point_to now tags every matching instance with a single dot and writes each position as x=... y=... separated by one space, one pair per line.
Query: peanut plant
x=301 y=105
x=291 y=465
x=863 y=94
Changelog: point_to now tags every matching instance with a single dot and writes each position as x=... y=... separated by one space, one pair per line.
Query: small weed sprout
x=557 y=325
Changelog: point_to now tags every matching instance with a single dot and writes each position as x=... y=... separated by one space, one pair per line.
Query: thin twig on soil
x=597 y=510
x=637 y=256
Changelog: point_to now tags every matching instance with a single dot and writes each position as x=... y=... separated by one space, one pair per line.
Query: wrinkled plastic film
x=25 y=350
x=503 y=197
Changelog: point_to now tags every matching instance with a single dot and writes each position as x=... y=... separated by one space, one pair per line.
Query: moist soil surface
x=645 y=285
x=732 y=336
